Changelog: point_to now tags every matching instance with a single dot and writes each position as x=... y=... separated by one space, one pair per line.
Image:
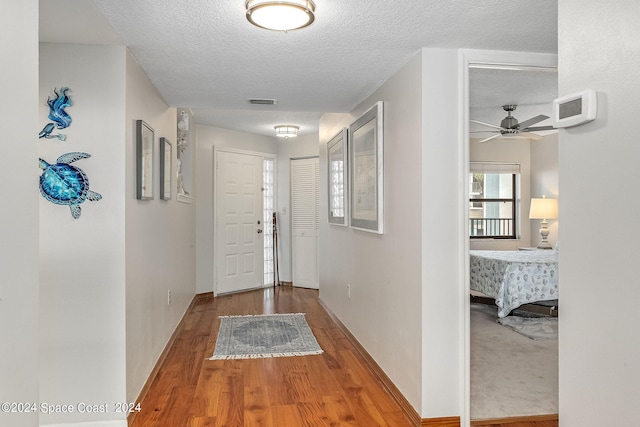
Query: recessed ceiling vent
x=262 y=101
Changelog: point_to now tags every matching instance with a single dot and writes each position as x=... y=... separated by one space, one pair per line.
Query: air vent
x=262 y=101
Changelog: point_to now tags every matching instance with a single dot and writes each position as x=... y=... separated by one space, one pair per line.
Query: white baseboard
x=114 y=423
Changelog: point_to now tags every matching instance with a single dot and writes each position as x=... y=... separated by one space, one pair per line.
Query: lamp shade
x=280 y=15
x=543 y=208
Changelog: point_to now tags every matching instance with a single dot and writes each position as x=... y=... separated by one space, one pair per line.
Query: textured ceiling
x=531 y=91
x=204 y=55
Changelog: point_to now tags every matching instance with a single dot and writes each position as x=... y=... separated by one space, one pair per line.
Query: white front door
x=305 y=222
x=239 y=224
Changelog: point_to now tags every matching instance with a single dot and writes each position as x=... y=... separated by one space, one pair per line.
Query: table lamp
x=544 y=209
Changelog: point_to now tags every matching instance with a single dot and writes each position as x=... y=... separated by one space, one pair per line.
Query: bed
x=514 y=278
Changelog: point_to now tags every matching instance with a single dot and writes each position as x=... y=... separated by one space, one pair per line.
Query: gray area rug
x=535 y=328
x=268 y=335
x=531 y=325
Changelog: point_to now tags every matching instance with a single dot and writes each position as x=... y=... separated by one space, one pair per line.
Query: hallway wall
x=383 y=270
x=82 y=261
x=159 y=235
x=104 y=277
x=19 y=224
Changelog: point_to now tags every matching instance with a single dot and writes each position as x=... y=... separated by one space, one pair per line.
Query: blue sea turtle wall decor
x=58 y=114
x=63 y=184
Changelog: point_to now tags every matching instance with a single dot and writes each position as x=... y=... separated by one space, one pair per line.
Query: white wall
x=19 y=225
x=544 y=181
x=207 y=138
x=384 y=271
x=598 y=164
x=160 y=238
x=82 y=261
x=291 y=148
x=404 y=305
x=440 y=235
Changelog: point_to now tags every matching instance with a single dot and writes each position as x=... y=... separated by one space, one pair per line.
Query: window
x=337 y=188
x=493 y=189
x=267 y=220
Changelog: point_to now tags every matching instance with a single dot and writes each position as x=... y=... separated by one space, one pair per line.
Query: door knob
x=259 y=231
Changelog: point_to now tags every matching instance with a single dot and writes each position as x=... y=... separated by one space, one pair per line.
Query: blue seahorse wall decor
x=57 y=113
x=63 y=184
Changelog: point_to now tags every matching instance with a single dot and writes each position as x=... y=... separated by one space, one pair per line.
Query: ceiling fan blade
x=485 y=124
x=539 y=128
x=488 y=139
x=530 y=135
x=532 y=121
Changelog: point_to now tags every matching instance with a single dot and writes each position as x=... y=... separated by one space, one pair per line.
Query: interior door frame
x=482 y=59
x=216 y=150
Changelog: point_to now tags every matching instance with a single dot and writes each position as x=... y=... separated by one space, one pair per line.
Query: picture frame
x=144 y=160
x=337 y=155
x=366 y=171
x=166 y=160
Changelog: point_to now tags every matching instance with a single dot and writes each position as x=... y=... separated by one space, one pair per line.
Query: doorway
x=484 y=60
x=240 y=219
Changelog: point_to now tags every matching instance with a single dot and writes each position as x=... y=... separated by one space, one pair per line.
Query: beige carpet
x=511 y=375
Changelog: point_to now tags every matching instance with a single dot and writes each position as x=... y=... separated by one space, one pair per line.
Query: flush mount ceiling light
x=287 y=131
x=280 y=15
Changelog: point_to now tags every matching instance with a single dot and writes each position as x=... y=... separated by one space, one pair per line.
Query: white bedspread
x=514 y=278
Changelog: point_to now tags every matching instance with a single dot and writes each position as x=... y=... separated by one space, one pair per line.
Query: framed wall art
x=144 y=161
x=337 y=169
x=165 y=168
x=366 y=167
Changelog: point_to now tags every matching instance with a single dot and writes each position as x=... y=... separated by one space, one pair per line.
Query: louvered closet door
x=305 y=221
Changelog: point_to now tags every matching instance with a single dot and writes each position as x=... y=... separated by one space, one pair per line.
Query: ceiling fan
x=509 y=126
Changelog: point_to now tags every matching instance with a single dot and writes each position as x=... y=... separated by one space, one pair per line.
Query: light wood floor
x=335 y=388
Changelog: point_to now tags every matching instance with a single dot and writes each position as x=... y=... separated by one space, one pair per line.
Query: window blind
x=494 y=168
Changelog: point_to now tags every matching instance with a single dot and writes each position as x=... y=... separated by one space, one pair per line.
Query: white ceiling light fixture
x=287 y=131
x=280 y=15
